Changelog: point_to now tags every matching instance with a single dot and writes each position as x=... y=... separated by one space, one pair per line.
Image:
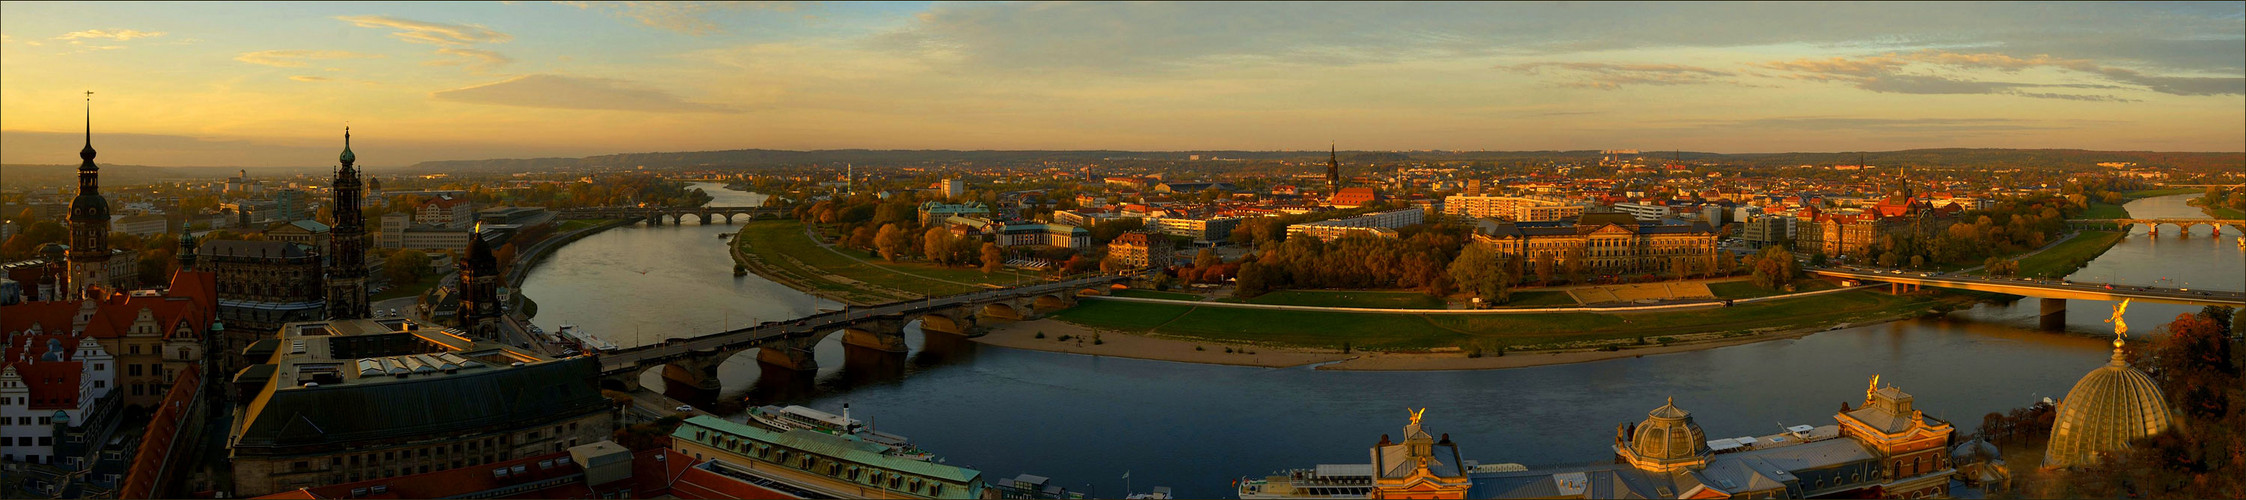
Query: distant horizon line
x=1640 y=152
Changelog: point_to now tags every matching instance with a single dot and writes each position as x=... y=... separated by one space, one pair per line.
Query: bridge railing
x=820 y=320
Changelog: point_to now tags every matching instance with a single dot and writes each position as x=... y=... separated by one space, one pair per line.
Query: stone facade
x=1608 y=244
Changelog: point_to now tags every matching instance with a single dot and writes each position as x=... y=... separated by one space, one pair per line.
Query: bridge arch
x=1051 y=302
x=999 y=310
x=956 y=323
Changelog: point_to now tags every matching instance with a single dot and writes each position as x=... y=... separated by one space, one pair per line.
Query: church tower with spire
x=1333 y=168
x=347 y=242
x=89 y=223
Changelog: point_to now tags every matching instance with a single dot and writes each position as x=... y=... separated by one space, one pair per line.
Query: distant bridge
x=2054 y=293
x=2155 y=223
x=677 y=215
x=788 y=344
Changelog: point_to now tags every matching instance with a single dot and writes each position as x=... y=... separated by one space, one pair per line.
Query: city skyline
x=262 y=85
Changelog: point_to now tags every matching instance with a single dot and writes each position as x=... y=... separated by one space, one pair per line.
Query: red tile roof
x=156 y=444
x=651 y=477
x=697 y=485
x=54 y=384
x=1354 y=196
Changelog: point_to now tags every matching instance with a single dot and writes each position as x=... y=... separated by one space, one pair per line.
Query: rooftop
x=341 y=381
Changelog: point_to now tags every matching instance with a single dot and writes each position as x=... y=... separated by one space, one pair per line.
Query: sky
x=273 y=84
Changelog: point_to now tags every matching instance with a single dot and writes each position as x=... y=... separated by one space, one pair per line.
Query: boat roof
x=1345 y=470
x=821 y=416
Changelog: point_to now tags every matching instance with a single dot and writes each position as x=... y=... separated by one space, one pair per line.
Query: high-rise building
x=291 y=205
x=347 y=240
x=954 y=188
x=1512 y=208
x=89 y=224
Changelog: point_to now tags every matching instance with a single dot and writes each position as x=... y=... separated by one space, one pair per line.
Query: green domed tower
x=347 y=242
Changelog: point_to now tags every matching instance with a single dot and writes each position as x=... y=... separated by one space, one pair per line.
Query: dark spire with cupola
x=479 y=287
x=89 y=223
x=347 y=241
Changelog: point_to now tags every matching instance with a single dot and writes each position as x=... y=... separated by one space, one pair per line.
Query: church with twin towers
x=343 y=277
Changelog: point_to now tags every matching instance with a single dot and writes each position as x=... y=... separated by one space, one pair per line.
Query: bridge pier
x=793 y=354
x=625 y=382
x=883 y=334
x=2053 y=315
x=705 y=219
x=698 y=371
x=654 y=220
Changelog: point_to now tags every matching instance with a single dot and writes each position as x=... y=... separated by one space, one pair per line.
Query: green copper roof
x=347 y=157
x=845 y=448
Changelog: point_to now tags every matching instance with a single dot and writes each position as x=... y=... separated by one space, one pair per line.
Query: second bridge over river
x=788 y=344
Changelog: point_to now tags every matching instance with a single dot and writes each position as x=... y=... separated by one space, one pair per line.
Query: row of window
x=819 y=465
x=27 y=440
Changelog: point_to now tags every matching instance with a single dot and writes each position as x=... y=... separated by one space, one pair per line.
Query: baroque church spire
x=87 y=153
x=89 y=222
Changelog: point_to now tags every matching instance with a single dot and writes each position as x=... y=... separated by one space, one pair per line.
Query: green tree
x=892 y=242
x=936 y=243
x=154 y=267
x=38 y=233
x=993 y=258
x=1477 y=270
x=1545 y=268
x=1254 y=280
x=406 y=266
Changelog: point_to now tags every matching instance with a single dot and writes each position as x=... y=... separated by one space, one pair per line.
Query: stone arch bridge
x=788 y=344
x=2184 y=225
x=676 y=215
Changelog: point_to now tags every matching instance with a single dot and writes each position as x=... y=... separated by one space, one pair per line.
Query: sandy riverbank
x=1022 y=335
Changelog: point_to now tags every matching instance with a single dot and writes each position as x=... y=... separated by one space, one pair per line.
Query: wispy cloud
x=298 y=58
x=1943 y=72
x=118 y=35
x=453 y=40
x=477 y=60
x=428 y=32
x=690 y=18
x=1615 y=76
x=310 y=78
x=1885 y=125
x=573 y=92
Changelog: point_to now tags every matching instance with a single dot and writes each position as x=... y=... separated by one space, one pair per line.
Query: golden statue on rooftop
x=1416 y=414
x=2120 y=326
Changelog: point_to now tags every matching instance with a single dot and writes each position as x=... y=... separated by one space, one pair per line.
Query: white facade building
x=48 y=378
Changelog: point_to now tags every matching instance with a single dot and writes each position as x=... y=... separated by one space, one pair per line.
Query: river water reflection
x=1085 y=420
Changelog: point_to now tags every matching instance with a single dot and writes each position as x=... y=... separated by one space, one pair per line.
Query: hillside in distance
x=2070 y=159
x=126 y=175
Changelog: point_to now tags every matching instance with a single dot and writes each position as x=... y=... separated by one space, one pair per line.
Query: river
x=1086 y=421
